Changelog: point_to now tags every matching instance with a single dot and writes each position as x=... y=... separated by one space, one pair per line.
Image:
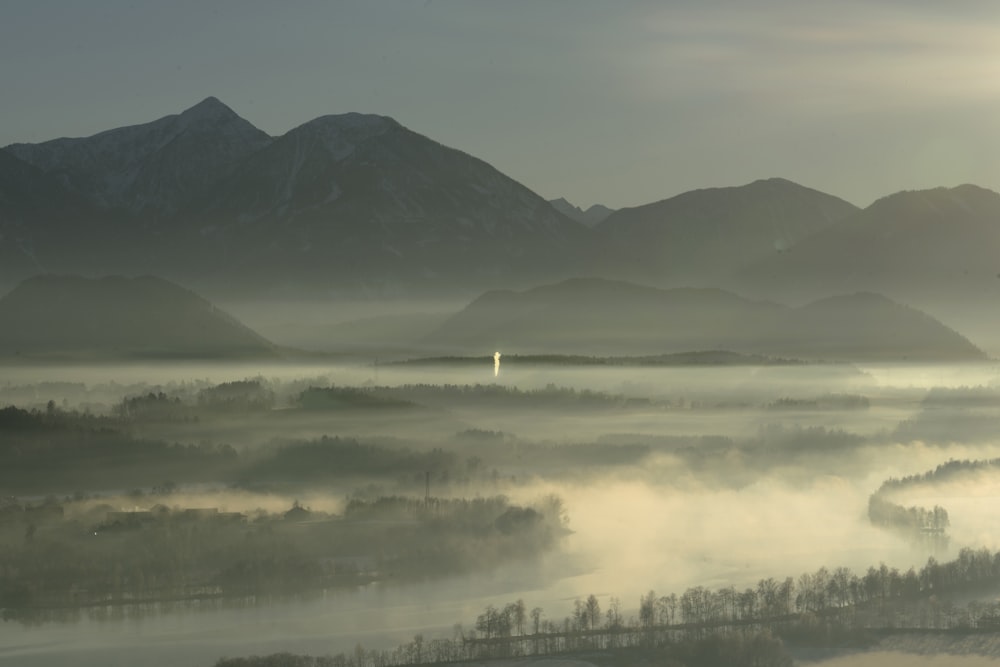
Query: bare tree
x=593 y=611
x=647 y=609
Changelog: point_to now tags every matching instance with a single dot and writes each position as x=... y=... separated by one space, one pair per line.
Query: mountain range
x=342 y=202
x=359 y=205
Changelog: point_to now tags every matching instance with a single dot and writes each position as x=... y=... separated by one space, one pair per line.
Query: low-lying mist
x=668 y=478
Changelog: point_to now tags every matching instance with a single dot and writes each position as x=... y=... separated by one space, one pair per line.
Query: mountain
x=359 y=205
x=27 y=195
x=601 y=317
x=938 y=249
x=349 y=202
x=909 y=243
x=43 y=223
x=878 y=328
x=593 y=216
x=358 y=198
x=154 y=169
x=70 y=317
x=700 y=236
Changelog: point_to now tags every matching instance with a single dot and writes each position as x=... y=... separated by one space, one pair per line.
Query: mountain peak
x=209 y=108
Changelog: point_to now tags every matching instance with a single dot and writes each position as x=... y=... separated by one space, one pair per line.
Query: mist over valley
x=349 y=396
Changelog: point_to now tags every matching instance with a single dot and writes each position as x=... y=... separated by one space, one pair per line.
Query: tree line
x=59 y=557
x=916 y=521
x=701 y=626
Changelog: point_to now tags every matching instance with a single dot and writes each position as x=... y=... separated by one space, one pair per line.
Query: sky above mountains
x=619 y=103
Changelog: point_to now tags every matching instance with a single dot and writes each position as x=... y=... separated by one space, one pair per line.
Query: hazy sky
x=614 y=102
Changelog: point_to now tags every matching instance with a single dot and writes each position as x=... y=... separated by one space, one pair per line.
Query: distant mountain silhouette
x=906 y=244
x=700 y=236
x=592 y=217
x=359 y=205
x=936 y=249
x=617 y=318
x=69 y=317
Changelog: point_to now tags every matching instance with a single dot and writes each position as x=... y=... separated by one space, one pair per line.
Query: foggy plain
x=774 y=499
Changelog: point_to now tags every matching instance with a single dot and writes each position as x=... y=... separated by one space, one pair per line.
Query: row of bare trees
x=881 y=597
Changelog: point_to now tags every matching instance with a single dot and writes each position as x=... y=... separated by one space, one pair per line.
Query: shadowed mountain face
x=701 y=236
x=68 y=317
x=43 y=223
x=30 y=200
x=602 y=317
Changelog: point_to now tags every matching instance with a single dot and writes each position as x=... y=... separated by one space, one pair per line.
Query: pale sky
x=617 y=102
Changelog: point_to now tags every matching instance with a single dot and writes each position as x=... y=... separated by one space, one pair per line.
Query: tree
x=593 y=611
x=666 y=609
x=418 y=646
x=519 y=616
x=536 y=620
x=536 y=624
x=647 y=609
x=614 y=614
